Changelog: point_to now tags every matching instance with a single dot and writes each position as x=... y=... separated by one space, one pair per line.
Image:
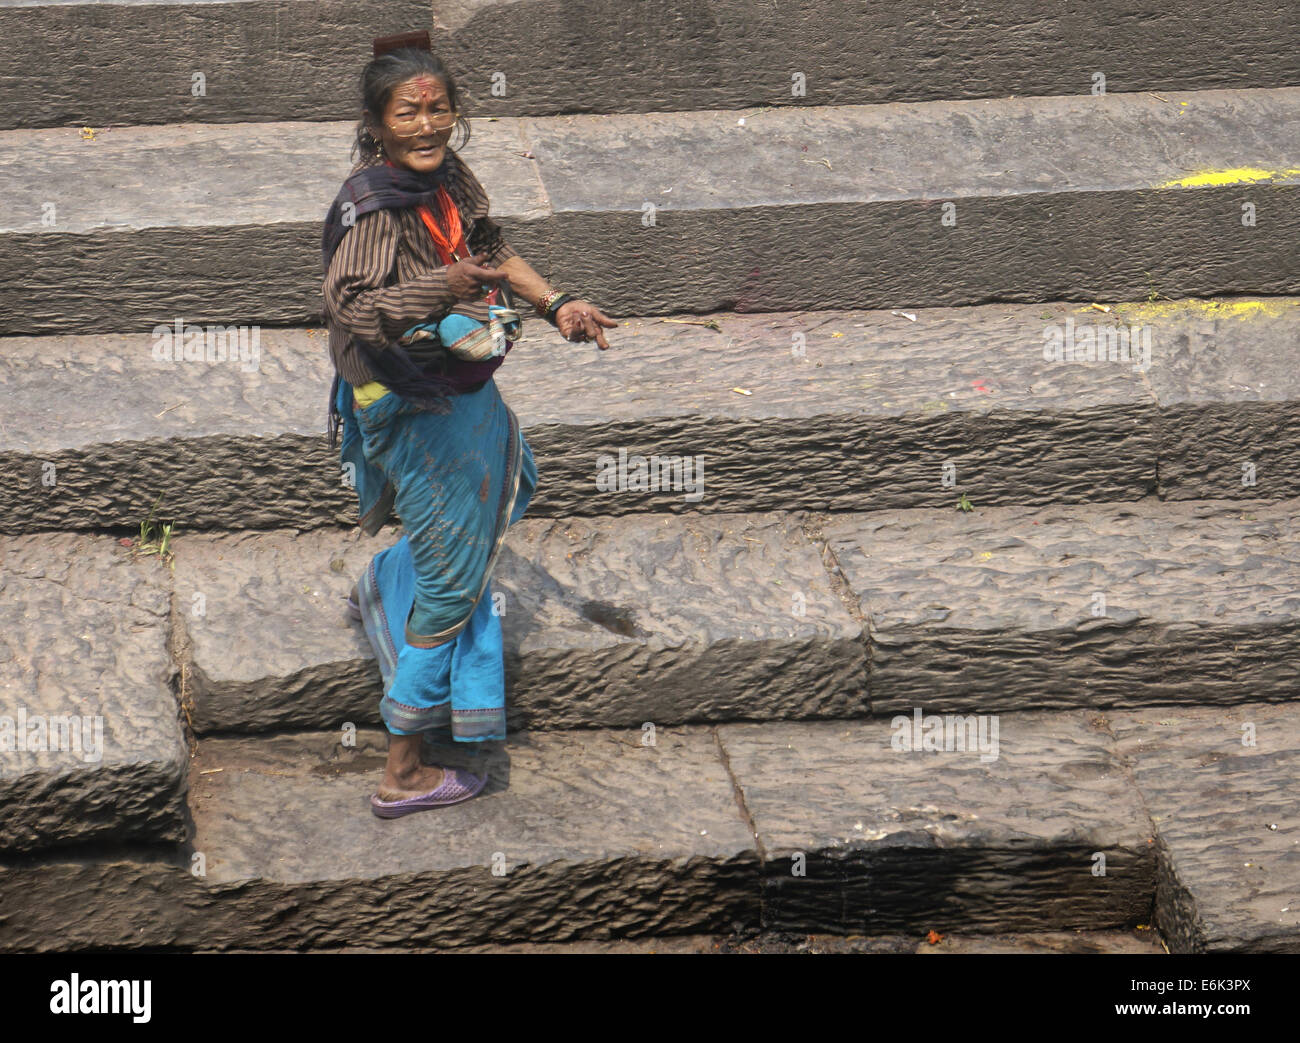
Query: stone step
x=1115 y=605
x=617 y=56
x=648 y=619
x=1142 y=940
x=214 y=61
x=879 y=206
x=593 y=835
x=617 y=622
x=1220 y=786
x=836 y=411
x=90 y=745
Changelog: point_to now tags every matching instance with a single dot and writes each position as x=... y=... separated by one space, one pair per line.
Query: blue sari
x=458 y=481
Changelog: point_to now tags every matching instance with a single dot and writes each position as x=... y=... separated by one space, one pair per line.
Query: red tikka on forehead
x=421 y=88
x=425 y=85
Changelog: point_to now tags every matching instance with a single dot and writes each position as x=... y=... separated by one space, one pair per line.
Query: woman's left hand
x=582 y=321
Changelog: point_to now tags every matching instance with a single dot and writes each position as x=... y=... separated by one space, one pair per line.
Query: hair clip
x=418 y=40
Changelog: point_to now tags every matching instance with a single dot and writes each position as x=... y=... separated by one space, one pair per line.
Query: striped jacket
x=385 y=275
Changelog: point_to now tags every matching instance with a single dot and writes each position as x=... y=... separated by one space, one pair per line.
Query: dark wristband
x=556 y=305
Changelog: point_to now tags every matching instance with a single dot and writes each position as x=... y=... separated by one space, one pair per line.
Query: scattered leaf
x=712 y=324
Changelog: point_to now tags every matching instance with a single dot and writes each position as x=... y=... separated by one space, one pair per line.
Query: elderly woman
x=419 y=291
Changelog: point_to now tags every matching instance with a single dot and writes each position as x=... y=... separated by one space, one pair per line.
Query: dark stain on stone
x=613 y=618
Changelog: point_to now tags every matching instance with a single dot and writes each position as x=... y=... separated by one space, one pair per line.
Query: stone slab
x=924 y=205
x=1142 y=941
x=135 y=61
x=264 y=632
x=1003 y=609
x=607 y=622
x=634 y=55
x=746 y=217
x=595 y=837
x=875 y=406
x=1225 y=815
x=871 y=404
x=602 y=841
x=1227 y=384
x=90 y=744
x=1003 y=837
x=96 y=898
x=207 y=444
x=209 y=223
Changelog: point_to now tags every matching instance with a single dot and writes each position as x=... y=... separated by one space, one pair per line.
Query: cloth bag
x=462 y=335
x=467 y=338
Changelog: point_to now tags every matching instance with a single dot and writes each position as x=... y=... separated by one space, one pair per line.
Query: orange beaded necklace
x=451 y=245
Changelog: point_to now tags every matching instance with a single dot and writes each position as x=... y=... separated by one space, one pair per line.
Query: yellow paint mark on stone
x=1243 y=309
x=1237 y=176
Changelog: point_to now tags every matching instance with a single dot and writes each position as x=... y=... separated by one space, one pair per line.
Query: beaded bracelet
x=551 y=303
x=546 y=300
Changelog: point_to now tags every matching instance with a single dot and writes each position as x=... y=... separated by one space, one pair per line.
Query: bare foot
x=413 y=783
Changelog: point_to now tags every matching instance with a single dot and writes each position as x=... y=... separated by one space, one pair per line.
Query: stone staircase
x=841 y=301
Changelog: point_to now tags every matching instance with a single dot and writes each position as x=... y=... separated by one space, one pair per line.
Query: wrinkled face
x=418 y=122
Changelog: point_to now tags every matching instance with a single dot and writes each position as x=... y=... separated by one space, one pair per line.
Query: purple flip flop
x=456 y=786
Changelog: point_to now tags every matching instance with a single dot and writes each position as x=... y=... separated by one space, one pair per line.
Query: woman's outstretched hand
x=582 y=321
x=467 y=278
